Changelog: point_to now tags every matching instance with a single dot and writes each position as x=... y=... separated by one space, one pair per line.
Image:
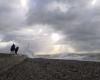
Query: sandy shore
x=49 y=69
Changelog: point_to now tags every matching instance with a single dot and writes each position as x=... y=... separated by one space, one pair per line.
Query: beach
x=52 y=69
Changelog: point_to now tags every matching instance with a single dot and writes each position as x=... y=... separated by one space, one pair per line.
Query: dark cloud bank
x=77 y=20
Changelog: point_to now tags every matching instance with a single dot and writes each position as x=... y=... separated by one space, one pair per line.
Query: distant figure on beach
x=16 y=50
x=12 y=49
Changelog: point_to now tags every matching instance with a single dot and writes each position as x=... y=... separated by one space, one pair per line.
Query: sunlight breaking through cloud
x=93 y=2
x=51 y=26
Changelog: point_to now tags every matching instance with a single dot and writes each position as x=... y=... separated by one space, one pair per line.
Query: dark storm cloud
x=10 y=15
x=80 y=23
x=76 y=19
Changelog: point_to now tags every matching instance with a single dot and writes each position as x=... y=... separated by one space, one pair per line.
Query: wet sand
x=50 y=69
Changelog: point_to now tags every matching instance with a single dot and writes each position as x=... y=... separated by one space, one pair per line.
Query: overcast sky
x=50 y=26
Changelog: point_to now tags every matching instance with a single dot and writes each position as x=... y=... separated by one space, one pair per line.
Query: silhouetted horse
x=16 y=50
x=12 y=49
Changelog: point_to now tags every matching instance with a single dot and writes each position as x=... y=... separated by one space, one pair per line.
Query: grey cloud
x=80 y=24
x=10 y=16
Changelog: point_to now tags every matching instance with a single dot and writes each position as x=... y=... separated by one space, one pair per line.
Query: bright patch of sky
x=58 y=7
